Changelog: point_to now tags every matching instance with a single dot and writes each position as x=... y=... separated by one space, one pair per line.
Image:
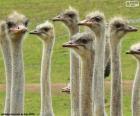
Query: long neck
x=136 y=92
x=116 y=92
x=8 y=70
x=46 y=100
x=74 y=75
x=86 y=86
x=73 y=29
x=98 y=74
x=17 y=91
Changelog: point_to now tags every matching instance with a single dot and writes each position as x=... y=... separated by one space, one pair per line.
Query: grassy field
x=40 y=10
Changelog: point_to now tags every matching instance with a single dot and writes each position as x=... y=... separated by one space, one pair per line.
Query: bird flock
x=91 y=54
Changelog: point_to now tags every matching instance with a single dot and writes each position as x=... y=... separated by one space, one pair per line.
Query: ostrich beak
x=132 y=52
x=35 y=32
x=19 y=29
x=85 y=22
x=131 y=29
x=128 y=52
x=70 y=45
x=57 y=18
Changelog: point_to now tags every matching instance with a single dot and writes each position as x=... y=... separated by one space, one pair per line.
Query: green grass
x=40 y=10
x=61 y=102
x=32 y=103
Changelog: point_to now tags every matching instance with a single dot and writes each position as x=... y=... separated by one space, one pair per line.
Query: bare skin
x=5 y=46
x=17 y=27
x=82 y=44
x=96 y=22
x=135 y=106
x=46 y=33
x=70 y=18
x=118 y=27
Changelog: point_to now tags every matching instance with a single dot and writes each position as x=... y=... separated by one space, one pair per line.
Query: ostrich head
x=135 y=50
x=95 y=21
x=69 y=17
x=45 y=31
x=81 y=43
x=118 y=27
x=17 y=25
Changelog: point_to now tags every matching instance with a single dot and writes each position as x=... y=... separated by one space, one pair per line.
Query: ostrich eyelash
x=70 y=15
x=26 y=23
x=10 y=24
x=46 y=29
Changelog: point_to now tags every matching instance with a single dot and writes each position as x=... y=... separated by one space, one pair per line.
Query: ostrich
x=96 y=22
x=135 y=51
x=118 y=27
x=82 y=44
x=17 y=27
x=4 y=42
x=70 y=18
x=46 y=32
x=71 y=23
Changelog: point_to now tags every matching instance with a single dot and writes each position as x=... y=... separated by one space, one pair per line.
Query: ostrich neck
x=136 y=92
x=86 y=86
x=98 y=80
x=74 y=75
x=8 y=70
x=116 y=99
x=17 y=91
x=46 y=101
x=73 y=29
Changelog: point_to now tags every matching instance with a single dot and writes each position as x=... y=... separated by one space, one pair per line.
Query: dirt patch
x=35 y=87
x=127 y=86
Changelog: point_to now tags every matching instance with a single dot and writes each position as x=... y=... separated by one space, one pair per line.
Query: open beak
x=131 y=29
x=85 y=22
x=132 y=52
x=19 y=29
x=57 y=18
x=34 y=32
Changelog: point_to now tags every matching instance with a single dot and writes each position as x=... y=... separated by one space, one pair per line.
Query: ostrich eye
x=97 y=19
x=46 y=29
x=70 y=15
x=139 y=50
x=26 y=23
x=85 y=41
x=118 y=25
x=10 y=24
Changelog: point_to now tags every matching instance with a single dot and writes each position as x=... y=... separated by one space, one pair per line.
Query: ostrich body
x=4 y=42
x=96 y=22
x=118 y=27
x=135 y=51
x=46 y=32
x=17 y=26
x=82 y=44
x=70 y=18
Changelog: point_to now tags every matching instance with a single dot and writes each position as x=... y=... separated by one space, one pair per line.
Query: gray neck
x=8 y=69
x=17 y=90
x=73 y=29
x=45 y=80
x=98 y=74
x=136 y=92
x=74 y=75
x=86 y=86
x=116 y=89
